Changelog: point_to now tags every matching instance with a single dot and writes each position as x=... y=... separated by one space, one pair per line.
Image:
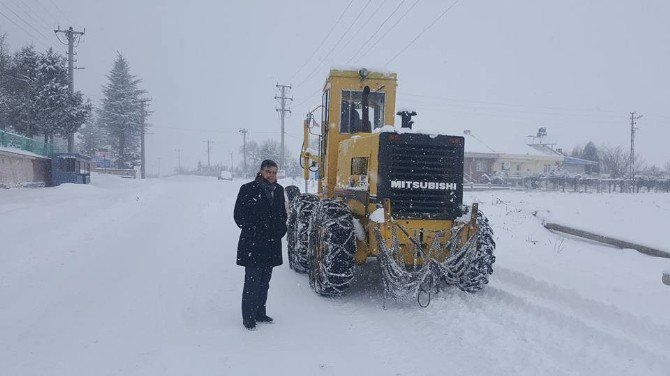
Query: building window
x=480 y=165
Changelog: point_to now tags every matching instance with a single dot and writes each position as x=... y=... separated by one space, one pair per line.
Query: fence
x=596 y=185
x=11 y=140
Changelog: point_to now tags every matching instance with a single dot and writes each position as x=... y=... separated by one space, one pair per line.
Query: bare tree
x=666 y=167
x=615 y=161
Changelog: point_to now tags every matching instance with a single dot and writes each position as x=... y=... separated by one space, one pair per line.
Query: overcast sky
x=498 y=68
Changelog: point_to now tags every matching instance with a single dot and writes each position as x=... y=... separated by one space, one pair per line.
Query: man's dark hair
x=268 y=163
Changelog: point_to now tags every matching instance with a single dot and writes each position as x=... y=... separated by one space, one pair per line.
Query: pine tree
x=22 y=91
x=51 y=94
x=120 y=114
x=91 y=138
x=590 y=153
x=4 y=68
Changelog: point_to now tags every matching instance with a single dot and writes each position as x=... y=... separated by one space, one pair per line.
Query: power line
x=489 y=111
x=357 y=33
x=335 y=46
x=390 y=28
x=55 y=19
x=550 y=108
x=31 y=12
x=323 y=41
x=27 y=23
x=19 y=26
x=423 y=31
x=510 y=115
x=61 y=12
x=203 y=130
x=307 y=98
x=376 y=31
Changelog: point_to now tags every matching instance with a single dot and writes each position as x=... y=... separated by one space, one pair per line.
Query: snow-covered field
x=130 y=277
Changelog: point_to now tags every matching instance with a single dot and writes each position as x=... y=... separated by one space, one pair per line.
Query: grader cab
x=383 y=192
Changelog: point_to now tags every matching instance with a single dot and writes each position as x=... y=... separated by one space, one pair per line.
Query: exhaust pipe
x=365 y=103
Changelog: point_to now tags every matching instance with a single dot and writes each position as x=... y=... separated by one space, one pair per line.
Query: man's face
x=269 y=174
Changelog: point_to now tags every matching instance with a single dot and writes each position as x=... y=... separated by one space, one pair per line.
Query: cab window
x=351 y=111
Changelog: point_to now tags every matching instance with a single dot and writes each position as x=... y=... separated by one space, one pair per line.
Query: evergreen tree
x=120 y=114
x=590 y=153
x=51 y=94
x=21 y=87
x=91 y=138
x=4 y=70
x=57 y=111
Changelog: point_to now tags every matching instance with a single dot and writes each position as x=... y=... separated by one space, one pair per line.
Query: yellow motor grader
x=386 y=192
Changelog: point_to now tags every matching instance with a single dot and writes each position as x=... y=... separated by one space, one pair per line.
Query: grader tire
x=300 y=214
x=291 y=192
x=477 y=272
x=332 y=246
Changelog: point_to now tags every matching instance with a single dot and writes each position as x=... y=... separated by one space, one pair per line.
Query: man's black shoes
x=251 y=324
x=264 y=318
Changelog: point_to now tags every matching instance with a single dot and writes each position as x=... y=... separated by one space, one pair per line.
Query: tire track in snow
x=520 y=321
x=603 y=316
x=586 y=348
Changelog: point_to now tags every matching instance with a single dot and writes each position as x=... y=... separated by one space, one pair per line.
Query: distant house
x=513 y=161
x=476 y=165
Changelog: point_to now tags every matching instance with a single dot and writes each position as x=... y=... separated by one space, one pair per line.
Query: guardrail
x=12 y=140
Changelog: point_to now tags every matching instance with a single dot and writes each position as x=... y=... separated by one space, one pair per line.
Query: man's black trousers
x=255 y=293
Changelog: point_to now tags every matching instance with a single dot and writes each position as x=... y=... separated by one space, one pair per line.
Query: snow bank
x=138 y=277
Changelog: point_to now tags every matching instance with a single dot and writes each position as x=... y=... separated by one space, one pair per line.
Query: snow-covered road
x=128 y=277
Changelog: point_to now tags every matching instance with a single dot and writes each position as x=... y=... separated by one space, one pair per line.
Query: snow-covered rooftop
x=19 y=151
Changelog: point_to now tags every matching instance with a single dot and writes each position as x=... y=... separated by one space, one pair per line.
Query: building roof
x=578 y=161
x=512 y=146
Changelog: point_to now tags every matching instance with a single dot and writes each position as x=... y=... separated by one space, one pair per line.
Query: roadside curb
x=607 y=240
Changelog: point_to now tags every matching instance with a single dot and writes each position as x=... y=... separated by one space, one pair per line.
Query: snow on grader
x=383 y=192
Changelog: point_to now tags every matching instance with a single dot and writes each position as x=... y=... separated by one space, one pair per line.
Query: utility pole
x=633 y=118
x=178 y=160
x=159 y=167
x=282 y=111
x=143 y=110
x=231 y=163
x=244 y=148
x=72 y=37
x=209 y=142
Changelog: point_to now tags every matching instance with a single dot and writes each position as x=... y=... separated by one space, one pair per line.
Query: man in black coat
x=261 y=214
